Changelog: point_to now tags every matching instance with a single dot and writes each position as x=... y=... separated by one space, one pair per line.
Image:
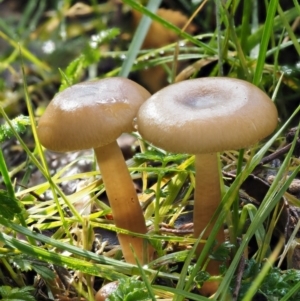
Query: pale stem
x=207 y=198
x=126 y=209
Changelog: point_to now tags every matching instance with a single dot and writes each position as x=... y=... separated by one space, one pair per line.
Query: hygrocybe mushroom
x=204 y=116
x=93 y=115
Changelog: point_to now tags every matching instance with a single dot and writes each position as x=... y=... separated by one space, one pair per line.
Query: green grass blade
x=30 y=17
x=297 y=5
x=144 y=277
x=291 y=292
x=5 y=176
x=27 y=54
x=267 y=31
x=256 y=37
x=245 y=28
x=138 y=38
x=180 y=293
x=289 y=29
x=260 y=232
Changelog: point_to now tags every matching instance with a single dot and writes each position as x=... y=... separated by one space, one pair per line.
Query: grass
x=259 y=46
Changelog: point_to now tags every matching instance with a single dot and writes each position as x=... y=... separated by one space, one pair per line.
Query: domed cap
x=106 y=291
x=207 y=115
x=90 y=114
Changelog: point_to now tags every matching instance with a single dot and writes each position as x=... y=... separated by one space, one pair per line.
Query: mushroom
x=202 y=117
x=106 y=290
x=93 y=115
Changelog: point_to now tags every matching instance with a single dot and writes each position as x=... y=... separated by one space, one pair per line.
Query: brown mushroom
x=93 y=115
x=205 y=116
x=106 y=290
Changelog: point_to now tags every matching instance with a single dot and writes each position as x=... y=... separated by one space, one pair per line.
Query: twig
x=277 y=154
x=239 y=276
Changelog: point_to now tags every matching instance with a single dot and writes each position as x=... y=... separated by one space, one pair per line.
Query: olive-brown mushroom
x=93 y=115
x=205 y=116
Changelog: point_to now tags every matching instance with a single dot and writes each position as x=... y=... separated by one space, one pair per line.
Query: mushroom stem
x=207 y=198
x=123 y=200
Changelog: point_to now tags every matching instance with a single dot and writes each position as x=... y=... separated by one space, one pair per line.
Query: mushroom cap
x=207 y=115
x=106 y=290
x=90 y=114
